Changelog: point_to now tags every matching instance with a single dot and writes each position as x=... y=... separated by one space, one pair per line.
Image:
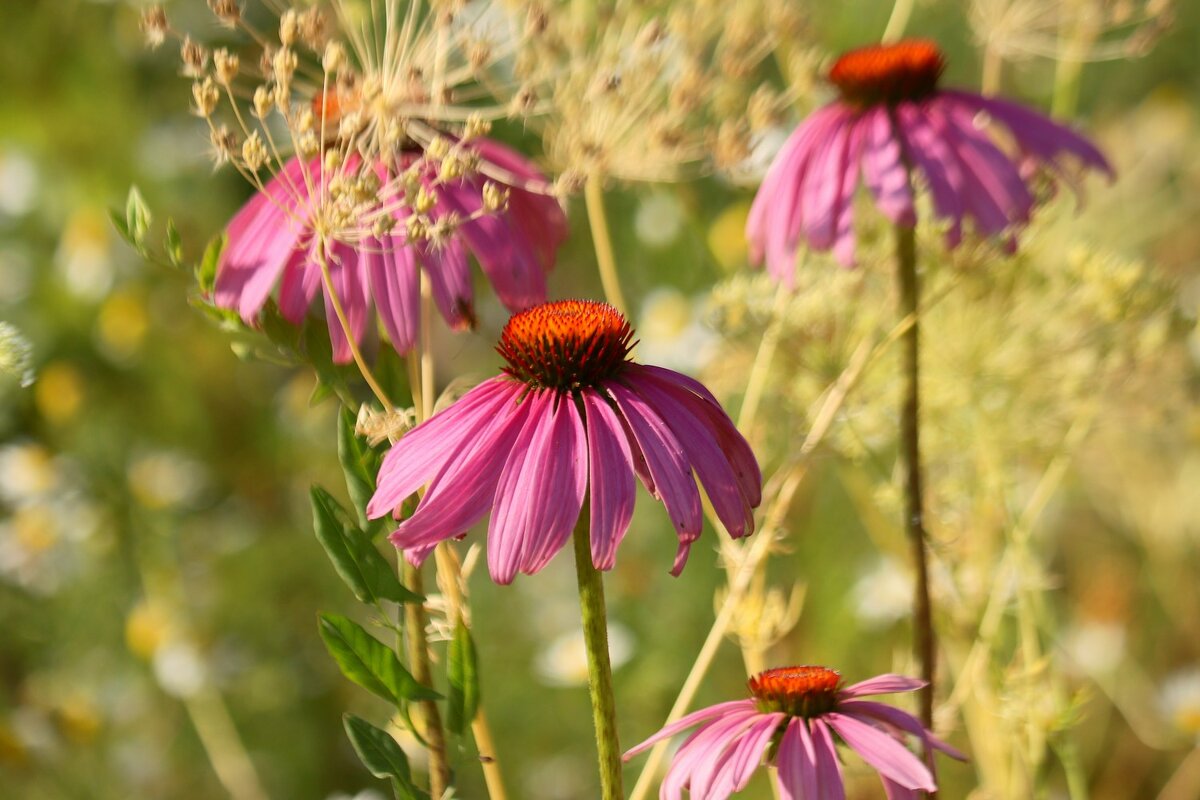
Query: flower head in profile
x=363 y=133
x=572 y=419
x=898 y=130
x=795 y=718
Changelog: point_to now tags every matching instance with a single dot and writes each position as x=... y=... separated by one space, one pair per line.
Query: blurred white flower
x=672 y=332
x=18 y=183
x=27 y=471
x=658 y=220
x=1179 y=700
x=164 y=479
x=179 y=669
x=883 y=595
x=1095 y=647
x=564 y=661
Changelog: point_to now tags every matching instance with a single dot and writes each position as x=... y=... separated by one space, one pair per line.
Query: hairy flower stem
x=418 y=659
x=368 y=376
x=910 y=459
x=600 y=686
x=898 y=21
x=606 y=262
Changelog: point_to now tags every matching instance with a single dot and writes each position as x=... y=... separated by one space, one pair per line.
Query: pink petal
x=830 y=184
x=540 y=491
x=539 y=216
x=1001 y=197
x=611 y=470
x=464 y=488
x=707 y=772
x=885 y=173
x=675 y=405
x=933 y=158
x=665 y=460
x=450 y=281
x=829 y=769
x=301 y=282
x=685 y=722
x=883 y=684
x=395 y=287
x=703 y=748
x=882 y=752
x=425 y=449
x=748 y=756
x=871 y=711
x=797 y=764
x=349 y=282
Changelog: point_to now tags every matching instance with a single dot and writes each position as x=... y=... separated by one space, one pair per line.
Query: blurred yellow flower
x=12 y=749
x=727 y=238
x=26 y=471
x=35 y=529
x=146 y=628
x=59 y=392
x=122 y=324
x=78 y=719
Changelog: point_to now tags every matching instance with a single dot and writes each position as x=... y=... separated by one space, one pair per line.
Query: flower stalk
x=600 y=685
x=606 y=262
x=418 y=659
x=910 y=460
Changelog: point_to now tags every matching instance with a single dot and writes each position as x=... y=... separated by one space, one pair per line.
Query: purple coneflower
x=793 y=718
x=570 y=412
x=375 y=228
x=896 y=128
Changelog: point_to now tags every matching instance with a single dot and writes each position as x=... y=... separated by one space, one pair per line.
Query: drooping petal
x=450 y=281
x=262 y=237
x=611 y=471
x=901 y=720
x=885 y=173
x=940 y=168
x=685 y=722
x=464 y=488
x=882 y=752
x=301 y=282
x=996 y=193
x=704 y=747
x=829 y=769
x=423 y=451
x=537 y=213
x=882 y=684
x=349 y=281
x=736 y=448
x=708 y=772
x=540 y=489
x=395 y=287
x=667 y=464
x=796 y=762
x=745 y=759
x=702 y=452
x=821 y=193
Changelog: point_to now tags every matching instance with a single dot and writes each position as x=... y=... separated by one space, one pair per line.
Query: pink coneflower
x=793 y=718
x=570 y=412
x=376 y=227
x=896 y=128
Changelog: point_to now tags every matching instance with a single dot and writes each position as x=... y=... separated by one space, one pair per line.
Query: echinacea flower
x=358 y=219
x=796 y=717
x=897 y=129
x=571 y=419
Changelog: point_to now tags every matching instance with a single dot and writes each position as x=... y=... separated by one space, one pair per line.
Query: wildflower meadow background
x=167 y=615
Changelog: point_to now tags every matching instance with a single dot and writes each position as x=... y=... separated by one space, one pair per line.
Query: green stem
x=606 y=262
x=898 y=21
x=910 y=459
x=418 y=659
x=600 y=686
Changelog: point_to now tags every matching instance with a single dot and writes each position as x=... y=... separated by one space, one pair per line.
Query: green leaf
x=462 y=699
x=137 y=217
x=174 y=245
x=206 y=270
x=381 y=755
x=360 y=463
x=368 y=662
x=360 y=565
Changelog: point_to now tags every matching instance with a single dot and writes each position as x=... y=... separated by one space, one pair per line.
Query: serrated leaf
x=206 y=270
x=462 y=698
x=382 y=756
x=174 y=245
x=137 y=217
x=360 y=463
x=368 y=662
x=360 y=565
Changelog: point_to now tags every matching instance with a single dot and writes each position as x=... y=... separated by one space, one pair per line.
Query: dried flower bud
x=537 y=21
x=284 y=65
x=308 y=144
x=225 y=144
x=334 y=58
x=523 y=102
x=424 y=201
x=155 y=26
x=266 y=62
x=332 y=160
x=194 y=56
x=263 y=102
x=227 y=12
x=314 y=29
x=289 y=26
x=206 y=95
x=254 y=152
x=415 y=229
x=479 y=54
x=442 y=229
x=495 y=197
x=383 y=226
x=438 y=148
x=476 y=126
x=226 y=65
x=650 y=35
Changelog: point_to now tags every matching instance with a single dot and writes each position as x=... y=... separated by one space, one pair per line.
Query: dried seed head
x=289 y=26
x=334 y=58
x=285 y=63
x=225 y=64
x=523 y=102
x=314 y=29
x=227 y=12
x=206 y=95
x=254 y=152
x=263 y=102
x=155 y=26
x=194 y=56
x=495 y=197
x=225 y=144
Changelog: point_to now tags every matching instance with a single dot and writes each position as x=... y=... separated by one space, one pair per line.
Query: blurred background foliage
x=159 y=581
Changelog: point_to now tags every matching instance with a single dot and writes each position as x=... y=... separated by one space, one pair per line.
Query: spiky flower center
x=888 y=73
x=799 y=691
x=566 y=345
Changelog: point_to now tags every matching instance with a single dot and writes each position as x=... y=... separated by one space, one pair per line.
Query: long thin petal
x=611 y=471
x=667 y=464
x=423 y=451
x=882 y=752
x=708 y=772
x=540 y=491
x=738 y=771
x=934 y=160
x=700 y=751
x=829 y=769
x=870 y=711
x=883 y=684
x=395 y=287
x=885 y=173
x=685 y=722
x=450 y=281
x=347 y=275
x=797 y=763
